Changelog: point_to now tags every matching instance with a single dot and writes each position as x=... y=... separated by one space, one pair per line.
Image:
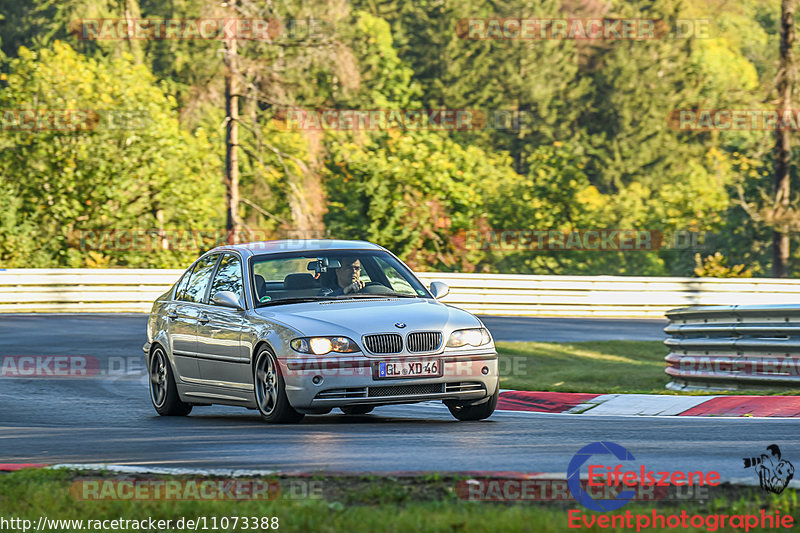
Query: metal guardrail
x=734 y=347
x=605 y=296
x=133 y=290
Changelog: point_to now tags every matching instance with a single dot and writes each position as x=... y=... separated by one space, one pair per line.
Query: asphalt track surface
x=109 y=419
x=574 y=329
x=129 y=329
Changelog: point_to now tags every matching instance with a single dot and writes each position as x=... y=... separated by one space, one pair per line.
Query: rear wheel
x=270 y=390
x=163 y=391
x=357 y=409
x=463 y=411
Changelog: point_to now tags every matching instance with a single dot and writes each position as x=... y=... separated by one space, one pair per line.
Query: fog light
x=316 y=380
x=485 y=370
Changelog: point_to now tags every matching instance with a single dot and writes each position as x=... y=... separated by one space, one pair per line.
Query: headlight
x=323 y=345
x=471 y=337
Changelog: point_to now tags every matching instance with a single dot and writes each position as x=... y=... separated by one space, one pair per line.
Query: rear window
x=180 y=287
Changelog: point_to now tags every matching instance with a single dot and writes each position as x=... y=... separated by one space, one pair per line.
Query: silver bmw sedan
x=301 y=327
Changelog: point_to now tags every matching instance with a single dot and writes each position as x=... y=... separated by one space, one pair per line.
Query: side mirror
x=227 y=299
x=439 y=289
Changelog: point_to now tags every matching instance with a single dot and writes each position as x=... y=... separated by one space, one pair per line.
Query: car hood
x=355 y=318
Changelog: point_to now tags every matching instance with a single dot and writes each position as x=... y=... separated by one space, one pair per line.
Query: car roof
x=296 y=245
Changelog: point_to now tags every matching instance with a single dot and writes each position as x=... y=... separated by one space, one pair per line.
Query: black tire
x=464 y=412
x=270 y=390
x=163 y=391
x=357 y=409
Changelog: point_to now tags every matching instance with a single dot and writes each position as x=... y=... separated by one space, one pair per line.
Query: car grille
x=384 y=343
x=406 y=390
x=426 y=341
x=400 y=390
x=342 y=394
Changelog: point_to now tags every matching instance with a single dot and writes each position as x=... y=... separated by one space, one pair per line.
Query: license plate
x=409 y=369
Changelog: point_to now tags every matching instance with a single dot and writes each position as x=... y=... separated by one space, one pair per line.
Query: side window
x=181 y=285
x=198 y=282
x=228 y=278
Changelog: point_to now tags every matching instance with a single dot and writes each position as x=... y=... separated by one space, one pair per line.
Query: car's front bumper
x=352 y=381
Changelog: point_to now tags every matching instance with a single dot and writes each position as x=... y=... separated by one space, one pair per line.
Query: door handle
x=172 y=315
x=203 y=319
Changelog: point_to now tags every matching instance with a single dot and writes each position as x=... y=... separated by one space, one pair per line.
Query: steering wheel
x=374 y=287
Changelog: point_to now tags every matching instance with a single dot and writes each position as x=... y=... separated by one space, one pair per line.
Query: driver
x=348 y=277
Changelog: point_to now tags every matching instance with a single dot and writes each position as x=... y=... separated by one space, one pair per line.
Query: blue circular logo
x=399 y=325
x=574 y=476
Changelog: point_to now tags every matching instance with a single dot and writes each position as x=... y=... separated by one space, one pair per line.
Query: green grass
x=600 y=367
x=355 y=504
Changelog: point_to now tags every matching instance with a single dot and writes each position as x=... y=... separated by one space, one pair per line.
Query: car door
x=221 y=357
x=184 y=315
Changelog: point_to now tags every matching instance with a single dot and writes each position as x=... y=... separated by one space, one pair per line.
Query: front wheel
x=163 y=391
x=464 y=412
x=270 y=390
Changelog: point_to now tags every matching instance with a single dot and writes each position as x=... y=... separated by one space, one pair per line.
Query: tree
x=129 y=160
x=232 y=224
x=414 y=193
x=785 y=84
x=530 y=90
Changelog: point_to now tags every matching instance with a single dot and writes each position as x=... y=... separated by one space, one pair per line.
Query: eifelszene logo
x=615 y=476
x=774 y=473
x=574 y=476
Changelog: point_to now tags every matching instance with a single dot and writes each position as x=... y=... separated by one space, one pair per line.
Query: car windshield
x=331 y=275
